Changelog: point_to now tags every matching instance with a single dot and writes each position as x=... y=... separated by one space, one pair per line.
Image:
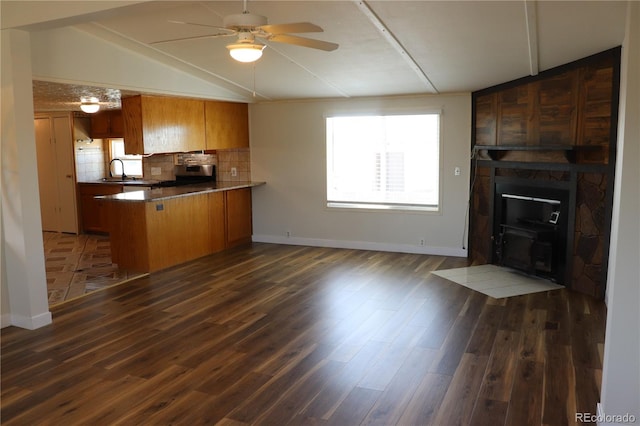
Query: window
x=384 y=161
x=132 y=163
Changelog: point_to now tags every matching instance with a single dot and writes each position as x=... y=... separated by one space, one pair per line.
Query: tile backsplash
x=90 y=160
x=158 y=167
x=239 y=159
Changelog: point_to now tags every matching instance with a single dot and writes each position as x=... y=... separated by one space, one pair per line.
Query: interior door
x=48 y=187
x=56 y=182
x=67 y=210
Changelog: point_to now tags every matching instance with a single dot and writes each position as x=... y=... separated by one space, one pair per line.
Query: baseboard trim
x=5 y=320
x=31 y=323
x=361 y=245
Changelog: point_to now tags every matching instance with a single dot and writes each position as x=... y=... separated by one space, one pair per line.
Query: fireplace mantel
x=570 y=152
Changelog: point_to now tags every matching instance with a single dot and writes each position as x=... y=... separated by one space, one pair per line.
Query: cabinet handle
x=69 y=176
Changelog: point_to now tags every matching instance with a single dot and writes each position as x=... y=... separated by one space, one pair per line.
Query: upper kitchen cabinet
x=155 y=124
x=107 y=124
x=227 y=125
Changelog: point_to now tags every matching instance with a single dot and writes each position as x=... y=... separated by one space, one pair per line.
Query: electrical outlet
x=155 y=171
x=234 y=172
x=422 y=242
x=288 y=234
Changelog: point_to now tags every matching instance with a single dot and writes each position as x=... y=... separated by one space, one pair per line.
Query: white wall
x=24 y=289
x=288 y=151
x=621 y=368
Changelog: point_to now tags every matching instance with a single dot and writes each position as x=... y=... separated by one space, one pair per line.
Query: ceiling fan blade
x=297 y=27
x=202 y=25
x=304 y=42
x=192 y=38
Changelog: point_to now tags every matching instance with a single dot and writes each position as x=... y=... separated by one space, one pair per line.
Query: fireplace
x=531 y=226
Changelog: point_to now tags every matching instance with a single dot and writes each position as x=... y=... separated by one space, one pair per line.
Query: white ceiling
x=386 y=47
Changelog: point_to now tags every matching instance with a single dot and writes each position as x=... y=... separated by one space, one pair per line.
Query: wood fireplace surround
x=551 y=137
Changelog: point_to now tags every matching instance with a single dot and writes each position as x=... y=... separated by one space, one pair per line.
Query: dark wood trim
x=571 y=225
x=555 y=167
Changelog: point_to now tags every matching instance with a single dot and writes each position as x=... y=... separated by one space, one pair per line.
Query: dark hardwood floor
x=286 y=335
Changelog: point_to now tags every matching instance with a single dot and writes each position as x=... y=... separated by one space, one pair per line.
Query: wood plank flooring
x=285 y=335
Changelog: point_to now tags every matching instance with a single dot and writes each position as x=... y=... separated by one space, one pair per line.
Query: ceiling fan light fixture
x=245 y=52
x=90 y=105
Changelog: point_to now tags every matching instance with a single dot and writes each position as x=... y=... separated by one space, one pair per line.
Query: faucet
x=121 y=164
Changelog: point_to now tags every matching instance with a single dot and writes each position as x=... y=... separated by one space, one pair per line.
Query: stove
x=191 y=174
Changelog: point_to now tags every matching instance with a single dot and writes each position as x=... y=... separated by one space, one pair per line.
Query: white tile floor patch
x=496 y=281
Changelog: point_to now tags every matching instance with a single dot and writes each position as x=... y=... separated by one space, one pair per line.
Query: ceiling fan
x=247 y=27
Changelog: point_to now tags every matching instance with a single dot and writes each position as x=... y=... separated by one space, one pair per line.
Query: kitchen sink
x=119 y=179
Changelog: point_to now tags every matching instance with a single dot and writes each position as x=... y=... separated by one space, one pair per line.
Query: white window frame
x=126 y=159
x=386 y=206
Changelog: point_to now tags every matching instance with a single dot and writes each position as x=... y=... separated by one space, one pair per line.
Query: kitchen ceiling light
x=245 y=52
x=90 y=105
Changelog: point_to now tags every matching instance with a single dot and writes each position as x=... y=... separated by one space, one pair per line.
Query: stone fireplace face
x=531 y=227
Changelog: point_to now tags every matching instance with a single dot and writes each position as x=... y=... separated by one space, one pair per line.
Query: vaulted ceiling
x=385 y=47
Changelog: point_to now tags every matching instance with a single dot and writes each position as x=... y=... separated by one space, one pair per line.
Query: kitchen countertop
x=158 y=194
x=117 y=181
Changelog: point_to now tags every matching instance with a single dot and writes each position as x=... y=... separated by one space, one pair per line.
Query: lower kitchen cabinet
x=93 y=211
x=147 y=236
x=238 y=212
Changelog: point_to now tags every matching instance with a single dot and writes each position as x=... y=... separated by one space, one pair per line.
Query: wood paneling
x=486 y=119
x=258 y=335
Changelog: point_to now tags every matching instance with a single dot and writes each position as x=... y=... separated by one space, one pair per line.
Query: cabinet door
x=116 y=124
x=239 y=224
x=100 y=125
x=154 y=125
x=227 y=125
x=93 y=211
x=217 y=224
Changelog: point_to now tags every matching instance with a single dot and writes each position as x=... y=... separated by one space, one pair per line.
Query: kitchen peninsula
x=158 y=228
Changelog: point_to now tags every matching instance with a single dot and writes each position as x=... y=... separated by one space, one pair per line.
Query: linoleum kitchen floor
x=79 y=264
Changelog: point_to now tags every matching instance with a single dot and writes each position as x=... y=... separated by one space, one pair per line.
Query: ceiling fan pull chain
x=254 y=79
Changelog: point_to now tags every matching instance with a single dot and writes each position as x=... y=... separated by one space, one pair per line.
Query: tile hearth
x=79 y=264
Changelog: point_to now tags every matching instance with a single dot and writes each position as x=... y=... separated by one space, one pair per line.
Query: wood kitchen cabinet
x=150 y=235
x=107 y=124
x=238 y=215
x=156 y=124
x=94 y=211
x=217 y=222
x=227 y=125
